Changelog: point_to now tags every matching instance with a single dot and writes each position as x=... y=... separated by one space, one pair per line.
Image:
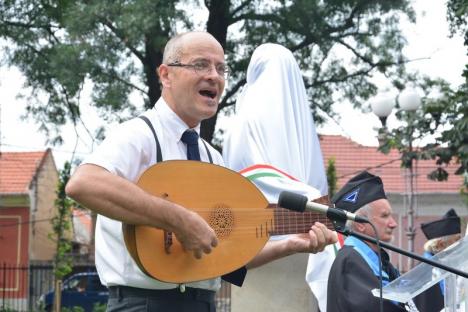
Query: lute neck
x=291 y=222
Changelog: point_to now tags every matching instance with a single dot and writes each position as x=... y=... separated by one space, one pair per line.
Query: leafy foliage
x=457 y=137
x=115 y=46
x=61 y=225
x=73 y=309
x=98 y=307
x=62 y=45
x=444 y=116
x=457 y=13
x=331 y=177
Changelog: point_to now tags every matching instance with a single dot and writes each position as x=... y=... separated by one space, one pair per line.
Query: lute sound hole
x=222 y=220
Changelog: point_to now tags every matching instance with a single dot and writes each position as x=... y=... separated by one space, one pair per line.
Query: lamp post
x=409 y=101
x=382 y=106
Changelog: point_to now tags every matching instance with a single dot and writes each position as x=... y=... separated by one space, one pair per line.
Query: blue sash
x=368 y=255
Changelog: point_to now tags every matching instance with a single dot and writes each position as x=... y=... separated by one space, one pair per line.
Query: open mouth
x=208 y=93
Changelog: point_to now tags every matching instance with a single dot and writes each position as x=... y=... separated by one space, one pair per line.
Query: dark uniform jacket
x=351 y=280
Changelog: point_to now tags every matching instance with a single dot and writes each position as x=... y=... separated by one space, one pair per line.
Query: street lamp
x=408 y=101
x=382 y=106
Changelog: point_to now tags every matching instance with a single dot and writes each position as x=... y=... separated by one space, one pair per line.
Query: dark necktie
x=190 y=137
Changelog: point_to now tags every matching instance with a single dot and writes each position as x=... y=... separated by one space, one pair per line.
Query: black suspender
x=237 y=277
x=158 y=146
x=207 y=151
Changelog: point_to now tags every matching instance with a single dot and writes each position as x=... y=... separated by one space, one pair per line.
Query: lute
x=233 y=206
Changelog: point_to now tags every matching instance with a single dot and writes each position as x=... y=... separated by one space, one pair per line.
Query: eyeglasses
x=204 y=67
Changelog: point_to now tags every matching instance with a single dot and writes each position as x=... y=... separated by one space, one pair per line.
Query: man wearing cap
x=355 y=271
x=440 y=234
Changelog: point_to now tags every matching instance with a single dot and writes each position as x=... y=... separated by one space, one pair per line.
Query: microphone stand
x=339 y=227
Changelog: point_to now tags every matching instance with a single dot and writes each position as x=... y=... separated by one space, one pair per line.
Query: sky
x=428 y=40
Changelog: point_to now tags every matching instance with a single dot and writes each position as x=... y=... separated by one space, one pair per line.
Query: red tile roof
x=82 y=226
x=17 y=169
x=351 y=158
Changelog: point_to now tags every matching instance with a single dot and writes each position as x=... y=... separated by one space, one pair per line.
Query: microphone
x=300 y=203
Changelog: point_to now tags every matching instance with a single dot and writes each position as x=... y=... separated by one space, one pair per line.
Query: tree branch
x=231 y=92
x=125 y=82
x=257 y=17
x=355 y=52
x=240 y=7
x=119 y=34
x=363 y=72
x=349 y=22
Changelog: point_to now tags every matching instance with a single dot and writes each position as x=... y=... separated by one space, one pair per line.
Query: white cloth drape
x=274 y=126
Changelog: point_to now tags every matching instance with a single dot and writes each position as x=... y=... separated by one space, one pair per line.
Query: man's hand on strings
x=196 y=235
x=314 y=241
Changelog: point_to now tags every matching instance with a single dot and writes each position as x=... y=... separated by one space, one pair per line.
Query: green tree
x=453 y=107
x=457 y=15
x=61 y=225
x=115 y=46
x=443 y=117
x=61 y=45
x=331 y=177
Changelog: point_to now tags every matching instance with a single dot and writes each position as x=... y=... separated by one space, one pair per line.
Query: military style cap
x=360 y=190
x=448 y=225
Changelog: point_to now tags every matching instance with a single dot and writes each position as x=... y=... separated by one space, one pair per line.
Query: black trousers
x=130 y=299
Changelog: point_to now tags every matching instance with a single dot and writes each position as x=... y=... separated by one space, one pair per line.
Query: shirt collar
x=173 y=124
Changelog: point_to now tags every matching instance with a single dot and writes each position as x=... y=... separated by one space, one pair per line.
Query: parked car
x=79 y=290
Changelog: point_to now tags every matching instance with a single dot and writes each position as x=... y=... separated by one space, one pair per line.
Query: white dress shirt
x=127 y=151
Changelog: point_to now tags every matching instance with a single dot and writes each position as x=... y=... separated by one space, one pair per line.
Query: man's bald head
x=190 y=86
x=175 y=47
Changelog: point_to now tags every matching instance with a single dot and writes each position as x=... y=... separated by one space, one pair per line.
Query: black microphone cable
x=377 y=241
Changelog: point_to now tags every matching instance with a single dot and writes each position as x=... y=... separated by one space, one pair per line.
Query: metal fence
x=22 y=286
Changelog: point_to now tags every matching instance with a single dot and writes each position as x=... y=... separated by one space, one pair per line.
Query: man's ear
x=163 y=72
x=360 y=226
